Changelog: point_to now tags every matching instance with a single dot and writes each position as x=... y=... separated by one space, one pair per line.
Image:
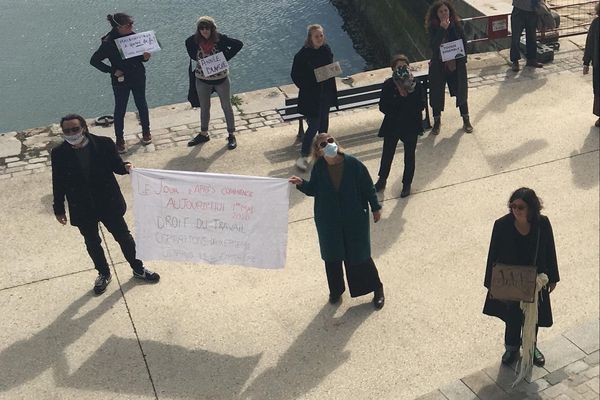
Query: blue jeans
x=319 y=123
x=121 y=98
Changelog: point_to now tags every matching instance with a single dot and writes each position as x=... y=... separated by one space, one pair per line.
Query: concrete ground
x=226 y=332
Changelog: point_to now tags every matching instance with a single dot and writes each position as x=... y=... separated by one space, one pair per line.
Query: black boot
x=467 y=127
x=380 y=185
x=378 y=298
x=510 y=356
x=405 y=190
x=437 y=122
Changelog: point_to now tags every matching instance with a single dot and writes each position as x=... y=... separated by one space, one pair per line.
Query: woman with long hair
x=522 y=237
x=207 y=42
x=127 y=75
x=343 y=192
x=314 y=98
x=591 y=54
x=443 y=25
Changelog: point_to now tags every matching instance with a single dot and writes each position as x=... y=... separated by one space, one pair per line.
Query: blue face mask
x=330 y=150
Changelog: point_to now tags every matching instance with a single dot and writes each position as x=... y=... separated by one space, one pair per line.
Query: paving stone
x=11 y=170
x=265 y=113
x=592 y=372
x=436 y=395
x=457 y=390
x=275 y=117
x=581 y=389
x=590 y=395
x=194 y=125
x=5 y=176
x=256 y=125
x=271 y=123
x=483 y=386
x=220 y=126
x=37 y=160
x=250 y=116
x=161 y=131
x=16 y=164
x=560 y=352
x=585 y=336
x=576 y=367
x=182 y=138
x=255 y=120
x=594 y=385
x=575 y=380
x=21 y=173
x=34 y=166
x=593 y=359
x=557 y=376
x=241 y=122
x=11 y=159
x=178 y=128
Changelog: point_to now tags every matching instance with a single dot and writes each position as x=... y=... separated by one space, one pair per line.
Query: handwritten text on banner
x=452 y=50
x=210 y=218
x=137 y=44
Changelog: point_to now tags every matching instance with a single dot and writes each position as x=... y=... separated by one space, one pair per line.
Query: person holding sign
x=83 y=169
x=445 y=29
x=212 y=51
x=402 y=105
x=127 y=75
x=343 y=192
x=315 y=97
x=522 y=237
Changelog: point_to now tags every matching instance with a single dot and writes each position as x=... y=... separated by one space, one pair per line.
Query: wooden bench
x=354 y=97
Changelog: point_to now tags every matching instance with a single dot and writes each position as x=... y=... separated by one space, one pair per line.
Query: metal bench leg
x=300 y=134
x=426 y=121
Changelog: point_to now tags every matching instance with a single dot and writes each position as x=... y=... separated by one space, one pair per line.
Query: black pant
x=519 y=20
x=387 y=156
x=117 y=226
x=363 y=278
x=316 y=124
x=121 y=98
x=514 y=325
x=463 y=108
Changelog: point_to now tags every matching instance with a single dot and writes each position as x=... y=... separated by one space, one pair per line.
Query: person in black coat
x=402 y=104
x=591 y=54
x=443 y=25
x=514 y=241
x=83 y=169
x=207 y=42
x=314 y=98
x=127 y=75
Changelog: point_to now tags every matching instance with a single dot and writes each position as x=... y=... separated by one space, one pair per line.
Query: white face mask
x=330 y=150
x=75 y=139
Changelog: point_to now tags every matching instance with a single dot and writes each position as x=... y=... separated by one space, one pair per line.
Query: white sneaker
x=302 y=163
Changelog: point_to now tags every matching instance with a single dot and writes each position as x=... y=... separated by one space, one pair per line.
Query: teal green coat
x=342 y=218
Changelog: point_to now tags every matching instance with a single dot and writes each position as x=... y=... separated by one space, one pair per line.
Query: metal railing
x=575 y=19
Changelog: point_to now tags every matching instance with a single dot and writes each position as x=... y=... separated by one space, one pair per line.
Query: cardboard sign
x=214 y=64
x=513 y=282
x=452 y=50
x=210 y=218
x=328 y=71
x=137 y=44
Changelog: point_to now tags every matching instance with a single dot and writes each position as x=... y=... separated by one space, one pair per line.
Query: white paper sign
x=137 y=44
x=452 y=50
x=499 y=25
x=214 y=64
x=210 y=218
x=328 y=71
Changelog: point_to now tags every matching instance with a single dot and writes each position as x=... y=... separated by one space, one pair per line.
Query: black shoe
x=147 y=275
x=509 y=357
x=538 y=358
x=405 y=191
x=467 y=127
x=200 y=138
x=515 y=66
x=437 y=123
x=335 y=298
x=534 y=64
x=378 y=298
x=101 y=283
x=231 y=142
x=380 y=185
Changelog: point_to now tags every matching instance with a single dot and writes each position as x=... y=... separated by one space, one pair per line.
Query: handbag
x=545 y=18
x=515 y=282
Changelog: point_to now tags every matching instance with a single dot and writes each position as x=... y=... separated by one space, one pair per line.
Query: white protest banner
x=210 y=218
x=214 y=64
x=452 y=50
x=137 y=44
x=328 y=71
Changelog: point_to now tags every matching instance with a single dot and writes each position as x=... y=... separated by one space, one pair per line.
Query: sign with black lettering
x=513 y=282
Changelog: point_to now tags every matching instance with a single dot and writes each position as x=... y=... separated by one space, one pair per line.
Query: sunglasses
x=76 y=129
x=127 y=25
x=324 y=144
x=517 y=207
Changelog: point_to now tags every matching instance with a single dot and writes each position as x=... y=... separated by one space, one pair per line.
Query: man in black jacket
x=83 y=169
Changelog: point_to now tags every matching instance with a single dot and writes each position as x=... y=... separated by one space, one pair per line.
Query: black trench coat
x=503 y=249
x=459 y=88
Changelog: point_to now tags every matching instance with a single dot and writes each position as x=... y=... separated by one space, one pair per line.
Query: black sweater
x=133 y=68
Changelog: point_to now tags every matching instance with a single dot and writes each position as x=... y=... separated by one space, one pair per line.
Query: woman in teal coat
x=343 y=191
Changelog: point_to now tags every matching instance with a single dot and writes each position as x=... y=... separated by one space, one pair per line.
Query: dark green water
x=46 y=46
